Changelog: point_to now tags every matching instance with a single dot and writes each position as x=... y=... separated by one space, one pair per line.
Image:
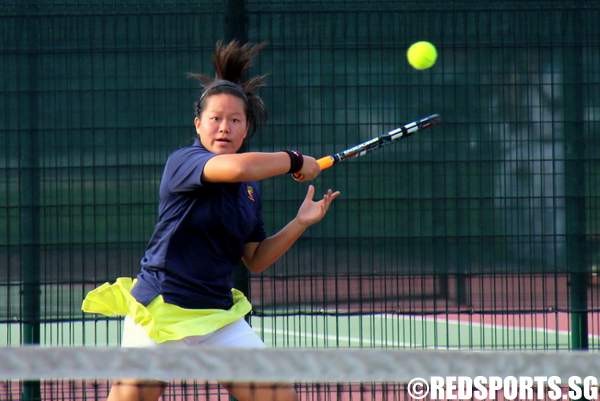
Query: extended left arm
x=258 y=256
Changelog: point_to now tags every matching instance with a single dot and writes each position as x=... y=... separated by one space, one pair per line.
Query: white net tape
x=284 y=365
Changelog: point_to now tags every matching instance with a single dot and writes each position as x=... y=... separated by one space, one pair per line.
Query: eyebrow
x=224 y=112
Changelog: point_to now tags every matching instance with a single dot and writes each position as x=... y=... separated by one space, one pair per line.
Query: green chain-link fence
x=480 y=233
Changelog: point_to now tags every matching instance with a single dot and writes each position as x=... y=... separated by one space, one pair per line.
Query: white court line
x=482 y=325
x=505 y=330
x=330 y=337
x=387 y=316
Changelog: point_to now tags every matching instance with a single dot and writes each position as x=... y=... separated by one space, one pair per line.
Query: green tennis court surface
x=422 y=331
x=431 y=331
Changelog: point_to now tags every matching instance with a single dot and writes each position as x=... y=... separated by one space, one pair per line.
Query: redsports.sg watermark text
x=508 y=388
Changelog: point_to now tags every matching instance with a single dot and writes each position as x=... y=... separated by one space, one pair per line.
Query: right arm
x=254 y=166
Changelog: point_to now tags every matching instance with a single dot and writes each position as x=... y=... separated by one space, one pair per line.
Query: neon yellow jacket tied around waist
x=162 y=321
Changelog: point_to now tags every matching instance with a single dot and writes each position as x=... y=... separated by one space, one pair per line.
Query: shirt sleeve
x=258 y=234
x=183 y=171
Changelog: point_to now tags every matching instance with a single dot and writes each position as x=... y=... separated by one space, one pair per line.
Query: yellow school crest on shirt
x=250 y=192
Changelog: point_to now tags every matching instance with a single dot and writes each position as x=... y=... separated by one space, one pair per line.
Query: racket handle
x=324 y=163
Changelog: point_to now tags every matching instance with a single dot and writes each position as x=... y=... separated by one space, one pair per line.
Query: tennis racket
x=365 y=147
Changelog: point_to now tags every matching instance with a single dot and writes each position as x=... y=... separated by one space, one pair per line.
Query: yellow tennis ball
x=421 y=55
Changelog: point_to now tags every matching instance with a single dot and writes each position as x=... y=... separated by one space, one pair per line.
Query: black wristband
x=296 y=161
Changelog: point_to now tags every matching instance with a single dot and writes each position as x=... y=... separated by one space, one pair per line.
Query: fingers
x=310 y=192
x=328 y=198
x=334 y=195
x=312 y=211
x=330 y=195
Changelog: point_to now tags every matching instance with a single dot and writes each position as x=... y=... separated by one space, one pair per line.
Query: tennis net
x=72 y=374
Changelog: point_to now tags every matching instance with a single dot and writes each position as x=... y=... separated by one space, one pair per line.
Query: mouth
x=222 y=140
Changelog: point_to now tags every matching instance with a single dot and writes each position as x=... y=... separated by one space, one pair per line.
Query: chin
x=223 y=150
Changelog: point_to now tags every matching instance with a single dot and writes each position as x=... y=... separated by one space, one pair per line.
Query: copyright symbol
x=418 y=388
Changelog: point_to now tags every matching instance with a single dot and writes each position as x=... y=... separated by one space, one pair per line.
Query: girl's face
x=222 y=126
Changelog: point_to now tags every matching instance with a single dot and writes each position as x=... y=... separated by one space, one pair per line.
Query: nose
x=224 y=126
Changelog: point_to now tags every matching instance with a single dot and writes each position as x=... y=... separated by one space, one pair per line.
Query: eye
x=237 y=120
x=214 y=118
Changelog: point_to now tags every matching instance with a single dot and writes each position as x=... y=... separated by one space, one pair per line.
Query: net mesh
x=79 y=390
x=341 y=374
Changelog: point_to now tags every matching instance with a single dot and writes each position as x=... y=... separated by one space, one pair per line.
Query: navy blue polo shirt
x=200 y=235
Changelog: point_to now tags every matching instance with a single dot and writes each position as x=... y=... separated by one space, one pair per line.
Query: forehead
x=225 y=103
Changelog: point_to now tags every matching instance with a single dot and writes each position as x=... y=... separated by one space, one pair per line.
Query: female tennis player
x=210 y=219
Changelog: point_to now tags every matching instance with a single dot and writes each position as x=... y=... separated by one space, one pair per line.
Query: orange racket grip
x=323 y=162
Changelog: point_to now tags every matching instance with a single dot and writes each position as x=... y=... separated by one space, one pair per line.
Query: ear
x=197 y=123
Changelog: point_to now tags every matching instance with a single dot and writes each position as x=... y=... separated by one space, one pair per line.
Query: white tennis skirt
x=238 y=334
